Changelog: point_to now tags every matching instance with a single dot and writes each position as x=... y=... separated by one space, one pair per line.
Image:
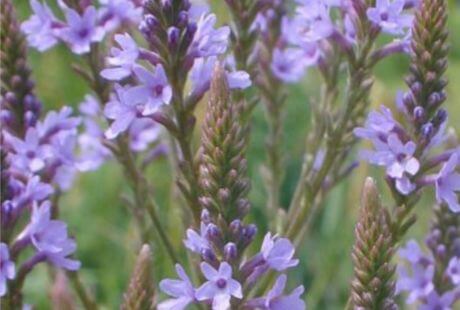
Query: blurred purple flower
x=50 y=238
x=153 y=92
x=81 y=30
x=419 y=284
x=182 y=290
x=122 y=59
x=7 y=268
x=41 y=27
x=207 y=40
x=220 y=286
x=197 y=242
x=448 y=183
x=122 y=111
x=275 y=300
x=411 y=252
x=201 y=72
x=435 y=302
x=278 y=253
x=377 y=126
x=143 y=132
x=33 y=190
x=453 y=270
x=312 y=22
x=29 y=154
x=388 y=15
x=289 y=64
x=56 y=123
x=114 y=13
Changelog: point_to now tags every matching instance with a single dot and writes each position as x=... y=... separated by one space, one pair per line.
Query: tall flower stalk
x=373 y=285
x=223 y=237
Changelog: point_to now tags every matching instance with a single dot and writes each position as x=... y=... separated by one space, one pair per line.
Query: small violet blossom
x=312 y=22
x=7 y=268
x=275 y=300
x=182 y=290
x=41 y=27
x=153 y=92
x=114 y=13
x=208 y=41
x=419 y=284
x=434 y=301
x=453 y=270
x=220 y=286
x=81 y=30
x=278 y=253
x=289 y=64
x=388 y=15
x=50 y=238
x=122 y=59
x=447 y=183
x=197 y=242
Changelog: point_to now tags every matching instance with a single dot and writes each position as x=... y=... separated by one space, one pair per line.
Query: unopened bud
x=230 y=251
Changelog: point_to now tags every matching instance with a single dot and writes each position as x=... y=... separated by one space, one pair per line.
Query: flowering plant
x=168 y=79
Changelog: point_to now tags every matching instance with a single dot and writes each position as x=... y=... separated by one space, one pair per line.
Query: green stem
x=86 y=300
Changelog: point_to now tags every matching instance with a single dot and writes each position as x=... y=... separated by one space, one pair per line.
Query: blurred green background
x=106 y=233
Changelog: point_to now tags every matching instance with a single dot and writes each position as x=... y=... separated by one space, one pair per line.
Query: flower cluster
x=223 y=236
x=82 y=26
x=406 y=149
x=200 y=44
x=433 y=279
x=307 y=37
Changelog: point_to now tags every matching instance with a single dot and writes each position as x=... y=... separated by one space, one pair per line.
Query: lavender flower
x=220 y=286
x=29 y=154
x=122 y=111
x=434 y=301
x=388 y=15
x=7 y=268
x=312 y=21
x=289 y=64
x=275 y=300
x=42 y=27
x=419 y=283
x=453 y=270
x=208 y=41
x=122 y=59
x=278 y=253
x=81 y=30
x=197 y=242
x=50 y=238
x=448 y=183
x=114 y=13
x=182 y=290
x=154 y=91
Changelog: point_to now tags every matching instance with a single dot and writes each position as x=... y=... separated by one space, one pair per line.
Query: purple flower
x=122 y=59
x=278 y=252
x=33 y=190
x=220 y=286
x=434 y=301
x=7 y=268
x=448 y=182
x=143 y=132
x=57 y=122
x=29 y=154
x=197 y=242
x=207 y=40
x=114 y=13
x=122 y=111
x=40 y=28
x=201 y=73
x=81 y=31
x=275 y=300
x=63 y=161
x=182 y=290
x=453 y=270
x=419 y=284
x=153 y=92
x=411 y=252
x=388 y=15
x=377 y=125
x=289 y=64
x=50 y=238
x=312 y=22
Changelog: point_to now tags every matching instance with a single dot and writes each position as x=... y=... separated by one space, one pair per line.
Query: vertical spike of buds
x=140 y=292
x=428 y=65
x=444 y=243
x=372 y=287
x=223 y=166
x=20 y=107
